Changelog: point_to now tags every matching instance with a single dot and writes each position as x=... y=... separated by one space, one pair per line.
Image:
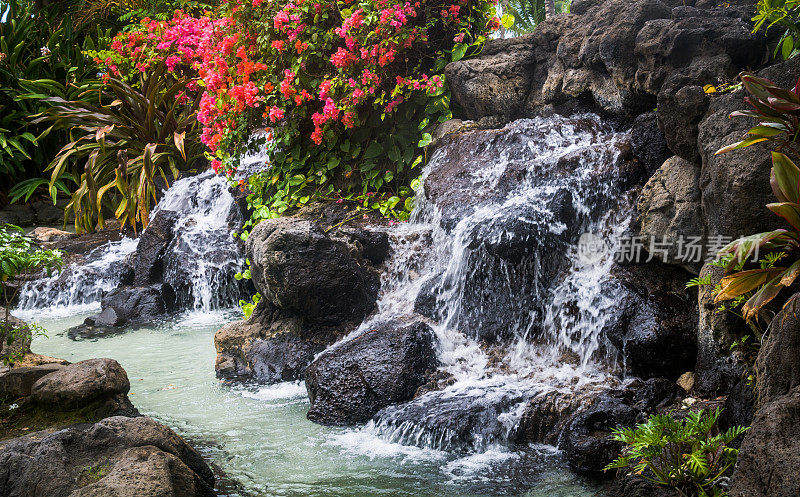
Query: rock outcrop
x=777 y=368
x=622 y=57
x=669 y=209
x=353 y=380
x=317 y=282
x=770 y=453
x=117 y=456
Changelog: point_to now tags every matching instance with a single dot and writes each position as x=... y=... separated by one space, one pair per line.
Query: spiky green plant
x=690 y=455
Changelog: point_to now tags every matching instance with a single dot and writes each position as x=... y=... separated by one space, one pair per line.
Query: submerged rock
x=116 y=456
x=131 y=305
x=351 y=381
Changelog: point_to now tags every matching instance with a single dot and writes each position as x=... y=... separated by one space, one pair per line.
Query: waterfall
x=491 y=259
x=199 y=263
x=79 y=287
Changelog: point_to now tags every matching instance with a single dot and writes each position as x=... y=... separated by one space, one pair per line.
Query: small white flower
x=12 y=407
x=45 y=51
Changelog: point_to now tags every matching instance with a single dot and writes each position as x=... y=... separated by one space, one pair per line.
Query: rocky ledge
x=70 y=430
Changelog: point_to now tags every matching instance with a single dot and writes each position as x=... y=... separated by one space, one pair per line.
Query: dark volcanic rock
x=300 y=269
x=118 y=456
x=770 y=453
x=655 y=327
x=83 y=382
x=718 y=369
x=318 y=282
x=777 y=368
x=147 y=261
x=648 y=142
x=351 y=381
x=545 y=416
x=613 y=55
x=587 y=439
x=18 y=382
x=669 y=206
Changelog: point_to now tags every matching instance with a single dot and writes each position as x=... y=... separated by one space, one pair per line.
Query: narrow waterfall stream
x=490 y=258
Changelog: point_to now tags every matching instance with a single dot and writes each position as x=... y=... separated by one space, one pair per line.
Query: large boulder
x=269 y=347
x=117 y=456
x=770 y=453
x=354 y=379
x=777 y=368
x=81 y=383
x=545 y=416
x=302 y=270
x=319 y=278
x=18 y=382
x=669 y=208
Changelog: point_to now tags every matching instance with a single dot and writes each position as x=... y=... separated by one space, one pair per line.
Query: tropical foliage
x=18 y=256
x=780 y=14
x=38 y=51
x=778 y=112
x=690 y=454
x=347 y=90
x=120 y=149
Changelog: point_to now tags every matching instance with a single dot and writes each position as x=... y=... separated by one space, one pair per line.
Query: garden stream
x=500 y=264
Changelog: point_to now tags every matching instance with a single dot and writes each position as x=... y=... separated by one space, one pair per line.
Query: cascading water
x=491 y=258
x=199 y=263
x=80 y=287
x=203 y=257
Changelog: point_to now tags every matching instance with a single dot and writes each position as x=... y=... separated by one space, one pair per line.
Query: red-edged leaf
x=756 y=86
x=742 y=144
x=761 y=298
x=787 y=178
x=791 y=274
x=733 y=285
x=790 y=211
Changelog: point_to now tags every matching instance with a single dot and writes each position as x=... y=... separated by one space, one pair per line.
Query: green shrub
x=38 y=50
x=782 y=14
x=688 y=455
x=19 y=255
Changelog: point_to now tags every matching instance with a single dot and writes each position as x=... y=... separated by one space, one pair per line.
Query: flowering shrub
x=347 y=88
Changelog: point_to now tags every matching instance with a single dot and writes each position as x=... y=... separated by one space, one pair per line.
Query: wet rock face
x=516 y=199
x=770 y=453
x=586 y=440
x=134 y=304
x=116 y=456
x=546 y=416
x=318 y=281
x=655 y=324
x=613 y=55
x=350 y=382
x=648 y=142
